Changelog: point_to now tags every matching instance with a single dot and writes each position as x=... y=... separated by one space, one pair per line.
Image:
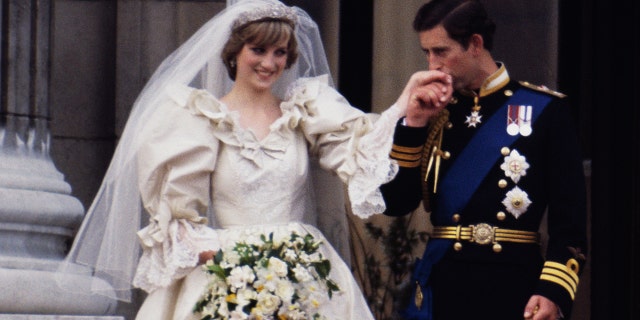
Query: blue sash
x=460 y=182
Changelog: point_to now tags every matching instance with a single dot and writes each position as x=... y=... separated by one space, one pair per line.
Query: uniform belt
x=483 y=234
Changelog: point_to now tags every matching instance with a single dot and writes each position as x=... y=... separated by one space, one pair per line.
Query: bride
x=220 y=147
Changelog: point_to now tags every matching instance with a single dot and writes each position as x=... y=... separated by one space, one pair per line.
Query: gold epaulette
x=542 y=89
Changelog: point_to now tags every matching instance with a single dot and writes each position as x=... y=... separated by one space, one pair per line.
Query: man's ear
x=476 y=43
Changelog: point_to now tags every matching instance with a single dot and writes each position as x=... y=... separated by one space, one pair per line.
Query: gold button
x=456 y=217
x=502 y=183
x=505 y=151
x=449 y=125
x=516 y=203
x=508 y=93
x=501 y=216
x=457 y=246
x=446 y=155
x=573 y=265
x=497 y=248
x=453 y=100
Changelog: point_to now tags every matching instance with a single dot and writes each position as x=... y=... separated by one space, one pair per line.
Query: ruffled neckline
x=226 y=123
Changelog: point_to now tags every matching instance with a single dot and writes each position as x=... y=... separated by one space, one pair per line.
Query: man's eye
x=439 y=52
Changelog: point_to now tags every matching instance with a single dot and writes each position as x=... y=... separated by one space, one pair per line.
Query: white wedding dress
x=197 y=155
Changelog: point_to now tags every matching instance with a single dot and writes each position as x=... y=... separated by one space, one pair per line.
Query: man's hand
x=426 y=93
x=540 y=308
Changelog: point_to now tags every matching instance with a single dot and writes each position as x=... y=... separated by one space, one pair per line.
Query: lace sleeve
x=348 y=142
x=374 y=166
x=175 y=256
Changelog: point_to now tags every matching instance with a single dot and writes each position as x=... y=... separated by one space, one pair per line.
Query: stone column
x=38 y=215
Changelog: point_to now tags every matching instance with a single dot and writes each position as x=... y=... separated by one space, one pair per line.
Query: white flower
x=292 y=312
x=278 y=266
x=515 y=166
x=223 y=308
x=516 y=202
x=304 y=258
x=231 y=258
x=267 y=280
x=315 y=257
x=312 y=298
x=267 y=303
x=290 y=255
x=217 y=286
x=238 y=315
x=240 y=276
x=298 y=241
x=210 y=310
x=244 y=296
x=301 y=273
x=284 y=290
x=296 y=315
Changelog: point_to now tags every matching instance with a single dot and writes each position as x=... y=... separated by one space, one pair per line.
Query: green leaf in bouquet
x=323 y=268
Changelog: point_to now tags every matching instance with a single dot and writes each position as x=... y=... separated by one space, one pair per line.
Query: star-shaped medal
x=516 y=202
x=473 y=119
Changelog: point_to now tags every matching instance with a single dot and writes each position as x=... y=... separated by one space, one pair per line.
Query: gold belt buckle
x=482 y=233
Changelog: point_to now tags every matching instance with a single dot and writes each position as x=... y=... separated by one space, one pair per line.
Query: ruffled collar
x=226 y=123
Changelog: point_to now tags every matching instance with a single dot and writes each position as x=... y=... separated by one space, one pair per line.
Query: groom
x=488 y=166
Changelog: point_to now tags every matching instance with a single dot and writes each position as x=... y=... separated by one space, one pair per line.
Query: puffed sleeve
x=175 y=162
x=353 y=144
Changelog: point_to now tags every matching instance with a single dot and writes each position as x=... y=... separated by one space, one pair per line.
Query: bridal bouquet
x=267 y=279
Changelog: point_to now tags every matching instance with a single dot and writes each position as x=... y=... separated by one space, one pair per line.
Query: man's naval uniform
x=489 y=261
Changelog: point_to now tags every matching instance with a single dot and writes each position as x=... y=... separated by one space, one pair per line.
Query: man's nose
x=433 y=63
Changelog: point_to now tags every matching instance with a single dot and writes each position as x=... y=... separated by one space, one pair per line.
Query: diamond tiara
x=272 y=11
